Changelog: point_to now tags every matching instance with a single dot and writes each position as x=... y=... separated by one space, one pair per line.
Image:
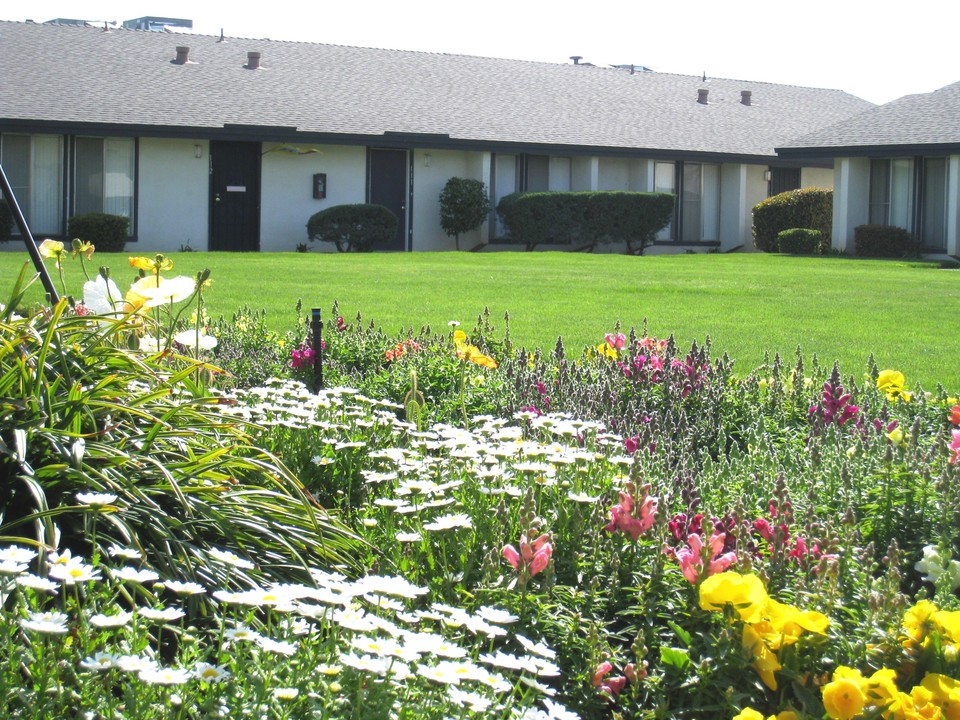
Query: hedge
x=356 y=228
x=806 y=208
x=586 y=218
x=800 y=241
x=884 y=241
x=107 y=233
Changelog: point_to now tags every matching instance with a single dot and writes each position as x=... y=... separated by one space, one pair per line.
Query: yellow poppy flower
x=765 y=661
x=158 y=264
x=745 y=592
x=843 y=699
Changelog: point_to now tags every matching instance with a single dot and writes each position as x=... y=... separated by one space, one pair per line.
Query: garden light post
x=316 y=327
x=27 y=236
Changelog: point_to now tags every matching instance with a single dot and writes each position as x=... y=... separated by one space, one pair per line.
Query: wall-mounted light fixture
x=198 y=151
x=767 y=175
x=426 y=160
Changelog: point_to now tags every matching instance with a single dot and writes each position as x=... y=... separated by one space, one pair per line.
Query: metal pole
x=27 y=236
x=316 y=326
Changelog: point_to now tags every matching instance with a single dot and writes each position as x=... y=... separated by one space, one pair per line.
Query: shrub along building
x=897 y=164
x=232 y=144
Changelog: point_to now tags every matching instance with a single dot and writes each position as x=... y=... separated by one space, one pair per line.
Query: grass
x=905 y=313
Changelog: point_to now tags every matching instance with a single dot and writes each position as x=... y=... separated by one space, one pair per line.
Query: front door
x=387 y=186
x=235 y=196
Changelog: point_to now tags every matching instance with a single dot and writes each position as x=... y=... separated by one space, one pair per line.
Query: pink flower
x=601 y=671
x=532 y=558
x=693 y=557
x=955 y=446
x=631 y=444
x=512 y=556
x=623 y=517
x=617 y=342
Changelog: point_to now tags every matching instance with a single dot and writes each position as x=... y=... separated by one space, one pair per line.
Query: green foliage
x=6 y=221
x=108 y=233
x=464 y=206
x=800 y=241
x=85 y=414
x=805 y=208
x=248 y=350
x=587 y=218
x=885 y=241
x=357 y=228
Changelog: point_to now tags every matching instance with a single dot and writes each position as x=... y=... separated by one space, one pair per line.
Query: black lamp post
x=316 y=327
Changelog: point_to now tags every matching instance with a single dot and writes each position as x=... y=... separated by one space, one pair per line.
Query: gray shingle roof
x=75 y=76
x=931 y=119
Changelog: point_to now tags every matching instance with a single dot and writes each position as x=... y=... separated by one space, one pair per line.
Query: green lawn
x=906 y=314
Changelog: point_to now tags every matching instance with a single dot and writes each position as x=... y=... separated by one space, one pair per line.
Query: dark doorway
x=387 y=186
x=783 y=179
x=235 y=196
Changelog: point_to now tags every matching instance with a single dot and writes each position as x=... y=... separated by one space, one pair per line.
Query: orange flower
x=955 y=415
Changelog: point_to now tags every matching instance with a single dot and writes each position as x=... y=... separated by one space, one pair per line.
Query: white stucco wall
x=614 y=174
x=428 y=182
x=287 y=202
x=734 y=210
x=851 y=199
x=757 y=188
x=816 y=177
x=173 y=202
x=584 y=174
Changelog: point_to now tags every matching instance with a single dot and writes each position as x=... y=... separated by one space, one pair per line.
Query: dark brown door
x=235 y=196
x=387 y=186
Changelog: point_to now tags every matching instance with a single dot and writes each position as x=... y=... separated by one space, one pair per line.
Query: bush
x=356 y=228
x=807 y=208
x=884 y=241
x=590 y=218
x=464 y=206
x=107 y=233
x=6 y=221
x=800 y=241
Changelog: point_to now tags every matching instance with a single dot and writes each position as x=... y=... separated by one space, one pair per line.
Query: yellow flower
x=82 y=247
x=891 y=382
x=52 y=249
x=917 y=621
x=745 y=592
x=471 y=353
x=843 y=699
x=156 y=264
x=605 y=350
x=765 y=661
x=748 y=714
x=785 y=624
x=945 y=691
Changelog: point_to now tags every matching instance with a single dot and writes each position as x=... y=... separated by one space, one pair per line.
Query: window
x=33 y=164
x=104 y=176
x=933 y=221
x=699 y=202
x=891 y=192
x=665 y=181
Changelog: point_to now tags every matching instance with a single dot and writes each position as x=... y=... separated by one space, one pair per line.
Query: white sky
x=878 y=50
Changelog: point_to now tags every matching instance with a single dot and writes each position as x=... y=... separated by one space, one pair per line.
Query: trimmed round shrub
x=464 y=206
x=800 y=241
x=806 y=208
x=6 y=221
x=108 y=233
x=353 y=228
x=886 y=241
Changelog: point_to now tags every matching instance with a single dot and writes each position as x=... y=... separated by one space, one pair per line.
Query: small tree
x=464 y=206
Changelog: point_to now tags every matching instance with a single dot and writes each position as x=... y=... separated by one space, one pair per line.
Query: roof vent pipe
x=253 y=61
x=702 y=96
x=183 y=55
x=745 y=96
x=576 y=59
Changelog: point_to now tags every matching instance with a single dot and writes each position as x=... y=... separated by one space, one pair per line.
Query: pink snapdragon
x=633 y=516
x=698 y=560
x=533 y=556
x=955 y=447
x=609 y=686
x=304 y=355
x=616 y=340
